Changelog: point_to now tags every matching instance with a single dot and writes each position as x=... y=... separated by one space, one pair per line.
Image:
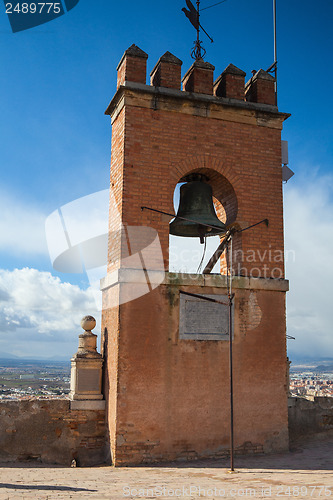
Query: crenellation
x=261 y=88
x=132 y=66
x=230 y=83
x=167 y=72
x=199 y=78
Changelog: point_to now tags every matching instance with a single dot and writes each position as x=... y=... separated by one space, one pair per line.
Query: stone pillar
x=86 y=371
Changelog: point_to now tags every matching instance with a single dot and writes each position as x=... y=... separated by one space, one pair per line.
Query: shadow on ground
x=42 y=487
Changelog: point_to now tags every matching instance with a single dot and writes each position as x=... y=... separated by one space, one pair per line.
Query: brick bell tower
x=166 y=378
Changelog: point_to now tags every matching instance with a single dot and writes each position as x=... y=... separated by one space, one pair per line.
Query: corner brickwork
x=132 y=66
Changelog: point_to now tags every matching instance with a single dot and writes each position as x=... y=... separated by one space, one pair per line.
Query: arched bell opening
x=185 y=253
x=185 y=250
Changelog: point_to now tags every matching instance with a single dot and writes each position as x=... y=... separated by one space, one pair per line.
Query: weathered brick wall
x=247 y=157
x=169 y=398
x=309 y=417
x=50 y=432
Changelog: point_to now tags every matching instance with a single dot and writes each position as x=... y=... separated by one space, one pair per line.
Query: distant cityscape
x=312 y=383
x=26 y=379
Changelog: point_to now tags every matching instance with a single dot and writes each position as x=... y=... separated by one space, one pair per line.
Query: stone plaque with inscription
x=200 y=319
x=88 y=380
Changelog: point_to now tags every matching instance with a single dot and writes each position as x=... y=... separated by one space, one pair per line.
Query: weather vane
x=193 y=15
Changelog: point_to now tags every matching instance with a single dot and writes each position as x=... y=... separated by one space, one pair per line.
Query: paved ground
x=306 y=472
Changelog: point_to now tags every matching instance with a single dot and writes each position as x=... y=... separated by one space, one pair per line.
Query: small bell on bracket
x=196 y=213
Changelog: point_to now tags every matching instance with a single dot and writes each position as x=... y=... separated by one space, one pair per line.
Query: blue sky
x=56 y=82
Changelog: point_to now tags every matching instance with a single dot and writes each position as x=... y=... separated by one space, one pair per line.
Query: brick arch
x=190 y=163
x=221 y=178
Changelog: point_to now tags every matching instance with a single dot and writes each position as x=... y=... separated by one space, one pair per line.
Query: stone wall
x=58 y=431
x=52 y=431
x=307 y=418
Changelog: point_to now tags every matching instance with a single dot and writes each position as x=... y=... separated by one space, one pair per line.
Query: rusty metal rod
x=230 y=296
x=179 y=217
x=217 y=254
x=203 y=298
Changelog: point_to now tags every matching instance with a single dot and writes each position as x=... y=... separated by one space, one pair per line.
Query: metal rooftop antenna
x=193 y=15
x=273 y=67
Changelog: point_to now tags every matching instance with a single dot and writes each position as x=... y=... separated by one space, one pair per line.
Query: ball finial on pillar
x=88 y=323
x=86 y=373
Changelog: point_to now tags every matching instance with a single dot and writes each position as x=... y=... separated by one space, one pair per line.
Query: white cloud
x=309 y=234
x=21 y=227
x=186 y=253
x=36 y=305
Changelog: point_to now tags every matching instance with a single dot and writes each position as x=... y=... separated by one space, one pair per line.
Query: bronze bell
x=196 y=209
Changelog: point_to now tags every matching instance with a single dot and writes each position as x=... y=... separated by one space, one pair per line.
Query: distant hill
x=31 y=363
x=295 y=359
x=321 y=365
x=7 y=355
x=324 y=368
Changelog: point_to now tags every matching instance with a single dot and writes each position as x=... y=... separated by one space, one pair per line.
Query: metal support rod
x=224 y=245
x=203 y=298
x=179 y=217
x=230 y=297
x=220 y=249
x=230 y=301
x=274 y=20
x=275 y=50
x=198 y=29
x=210 y=38
x=210 y=6
x=266 y=221
x=217 y=254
